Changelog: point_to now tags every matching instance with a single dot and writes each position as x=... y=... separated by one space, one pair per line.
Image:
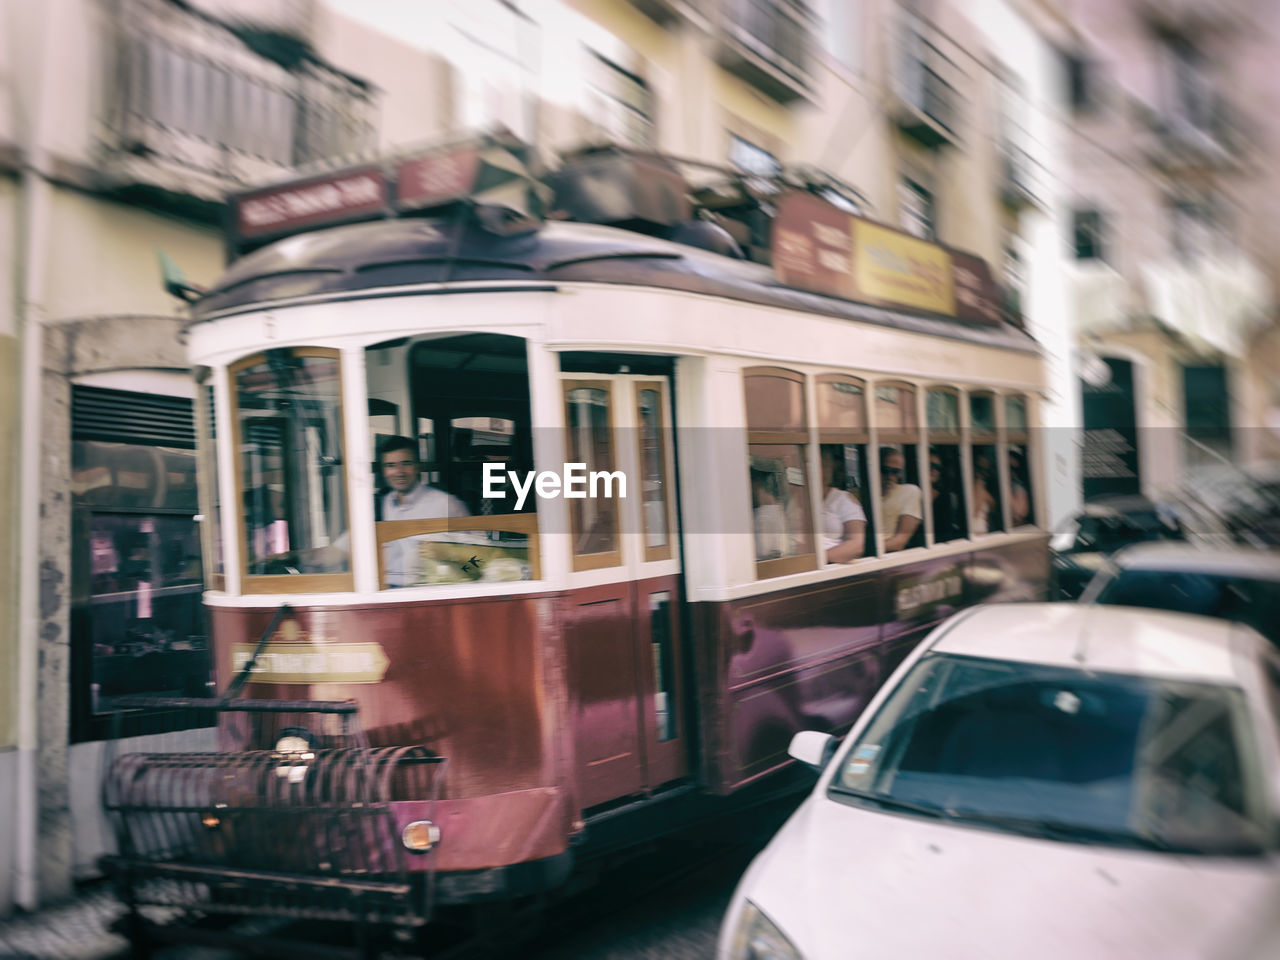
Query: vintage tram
x=453 y=708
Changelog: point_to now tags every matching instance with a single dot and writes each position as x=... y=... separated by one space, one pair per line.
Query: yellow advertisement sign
x=895 y=268
x=312 y=662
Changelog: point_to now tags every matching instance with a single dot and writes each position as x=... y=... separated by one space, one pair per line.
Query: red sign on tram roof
x=436 y=177
x=330 y=199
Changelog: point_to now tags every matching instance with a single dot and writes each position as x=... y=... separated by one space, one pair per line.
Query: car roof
x=1175 y=557
x=1125 y=640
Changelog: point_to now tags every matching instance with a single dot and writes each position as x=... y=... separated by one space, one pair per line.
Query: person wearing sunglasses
x=902 y=503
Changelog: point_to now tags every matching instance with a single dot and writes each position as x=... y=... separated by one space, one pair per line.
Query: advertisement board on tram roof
x=819 y=247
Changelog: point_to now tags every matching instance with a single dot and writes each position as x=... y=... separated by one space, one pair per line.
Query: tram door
x=622 y=628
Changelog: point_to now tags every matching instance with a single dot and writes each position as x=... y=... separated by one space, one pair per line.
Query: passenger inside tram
x=844 y=522
x=902 y=502
x=409 y=497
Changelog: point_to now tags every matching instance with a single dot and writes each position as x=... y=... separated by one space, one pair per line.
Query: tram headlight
x=420 y=836
x=295 y=743
x=758 y=938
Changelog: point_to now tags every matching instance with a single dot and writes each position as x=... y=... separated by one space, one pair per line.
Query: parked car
x=1102 y=527
x=1036 y=780
x=1230 y=584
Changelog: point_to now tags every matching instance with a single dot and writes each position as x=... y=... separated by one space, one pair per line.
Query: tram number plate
x=313 y=663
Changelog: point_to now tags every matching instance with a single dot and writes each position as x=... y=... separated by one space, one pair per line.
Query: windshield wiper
x=893 y=803
x=1062 y=830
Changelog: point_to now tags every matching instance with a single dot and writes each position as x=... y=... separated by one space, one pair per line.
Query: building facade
x=1173 y=240
x=123 y=124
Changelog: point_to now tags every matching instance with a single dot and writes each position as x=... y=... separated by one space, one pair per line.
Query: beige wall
x=103 y=258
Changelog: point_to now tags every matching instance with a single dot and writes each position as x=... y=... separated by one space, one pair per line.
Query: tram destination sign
x=340 y=197
x=312 y=663
x=817 y=246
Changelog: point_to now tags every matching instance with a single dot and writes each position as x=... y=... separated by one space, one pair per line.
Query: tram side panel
x=480 y=682
x=812 y=657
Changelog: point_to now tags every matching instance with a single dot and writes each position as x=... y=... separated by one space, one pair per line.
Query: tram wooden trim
x=260 y=583
x=784 y=566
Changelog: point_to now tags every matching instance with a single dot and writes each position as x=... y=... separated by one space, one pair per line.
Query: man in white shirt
x=409 y=498
x=901 y=503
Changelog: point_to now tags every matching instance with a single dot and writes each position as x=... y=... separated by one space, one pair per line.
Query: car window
x=1077 y=756
x=1242 y=599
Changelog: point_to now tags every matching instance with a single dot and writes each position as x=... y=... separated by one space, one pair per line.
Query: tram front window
x=459 y=419
x=289 y=437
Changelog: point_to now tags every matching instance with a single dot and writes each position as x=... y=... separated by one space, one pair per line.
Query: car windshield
x=1064 y=754
x=1243 y=599
x=1109 y=532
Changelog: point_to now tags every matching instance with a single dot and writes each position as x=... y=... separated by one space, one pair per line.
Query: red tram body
x=469 y=737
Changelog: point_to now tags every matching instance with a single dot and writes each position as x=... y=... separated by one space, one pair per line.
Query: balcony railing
x=1018 y=180
x=194 y=97
x=766 y=43
x=927 y=104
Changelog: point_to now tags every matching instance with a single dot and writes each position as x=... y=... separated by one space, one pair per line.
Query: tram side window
x=901 y=500
x=777 y=439
x=653 y=465
x=455 y=429
x=843 y=438
x=986 y=509
x=1018 y=435
x=289 y=439
x=594 y=518
x=946 y=486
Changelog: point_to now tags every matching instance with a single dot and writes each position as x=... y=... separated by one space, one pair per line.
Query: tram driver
x=902 y=503
x=408 y=497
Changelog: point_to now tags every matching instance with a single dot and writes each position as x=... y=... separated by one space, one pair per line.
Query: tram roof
x=344 y=261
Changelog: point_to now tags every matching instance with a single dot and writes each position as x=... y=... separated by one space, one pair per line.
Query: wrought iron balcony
x=766 y=43
x=1018 y=179
x=193 y=108
x=926 y=102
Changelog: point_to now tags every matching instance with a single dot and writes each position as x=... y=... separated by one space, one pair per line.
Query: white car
x=1038 y=781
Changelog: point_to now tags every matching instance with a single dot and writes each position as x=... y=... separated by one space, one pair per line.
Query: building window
x=752 y=159
x=1196 y=233
x=622 y=102
x=1191 y=98
x=1015 y=283
x=1080 y=82
x=916 y=210
x=137 y=622
x=1087 y=226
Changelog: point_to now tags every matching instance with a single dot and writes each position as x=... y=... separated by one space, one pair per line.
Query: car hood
x=846 y=882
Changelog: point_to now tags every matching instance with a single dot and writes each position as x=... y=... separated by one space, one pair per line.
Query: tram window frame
x=1018 y=435
x=664 y=551
x=463 y=404
x=834 y=435
x=213 y=549
x=903 y=437
x=793 y=432
x=253 y=583
x=945 y=437
x=985 y=437
x=602 y=559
